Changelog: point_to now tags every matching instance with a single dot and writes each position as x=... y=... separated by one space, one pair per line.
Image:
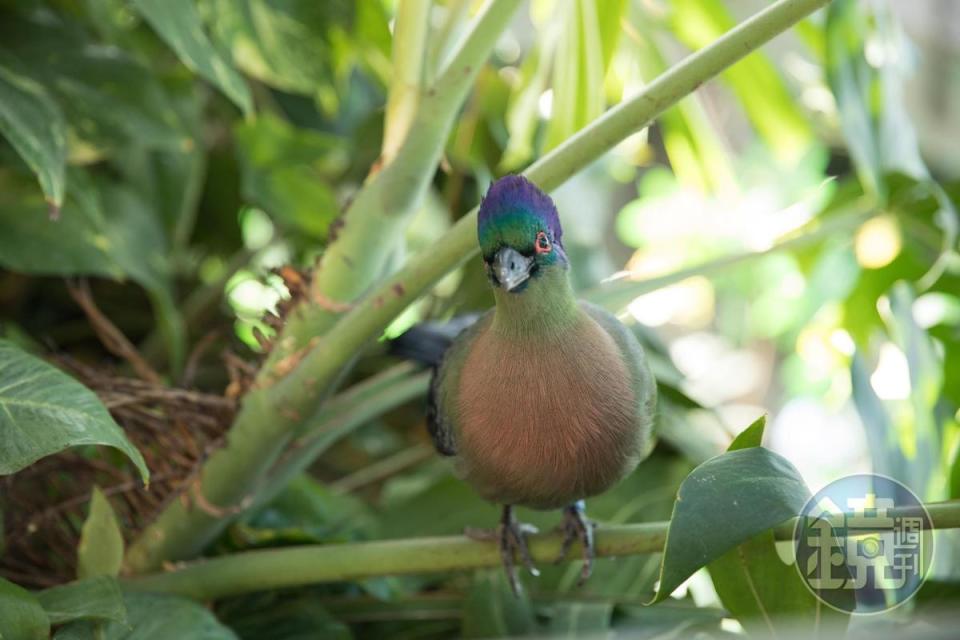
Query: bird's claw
x=576 y=527
x=512 y=539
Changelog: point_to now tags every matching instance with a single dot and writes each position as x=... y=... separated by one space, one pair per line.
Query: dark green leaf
x=723 y=502
x=153 y=617
x=492 y=610
x=97 y=598
x=33 y=124
x=179 y=24
x=281 y=617
x=107 y=97
x=100 y=552
x=21 y=616
x=766 y=595
x=285 y=44
x=43 y=411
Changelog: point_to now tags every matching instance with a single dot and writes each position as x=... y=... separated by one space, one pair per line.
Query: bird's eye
x=543 y=243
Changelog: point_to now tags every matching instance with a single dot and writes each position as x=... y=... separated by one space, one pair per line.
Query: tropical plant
x=214 y=215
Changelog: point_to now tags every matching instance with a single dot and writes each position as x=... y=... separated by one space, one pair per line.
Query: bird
x=544 y=400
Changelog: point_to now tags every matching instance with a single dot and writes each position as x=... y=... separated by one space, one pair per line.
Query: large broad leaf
x=153 y=617
x=31 y=121
x=726 y=501
x=106 y=230
x=92 y=599
x=299 y=45
x=108 y=98
x=43 y=411
x=100 y=552
x=21 y=616
x=766 y=595
x=178 y=23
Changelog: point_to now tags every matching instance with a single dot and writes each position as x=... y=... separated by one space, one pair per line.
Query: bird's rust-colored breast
x=543 y=423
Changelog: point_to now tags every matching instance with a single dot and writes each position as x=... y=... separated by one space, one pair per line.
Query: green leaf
x=490 y=609
x=108 y=98
x=284 y=44
x=579 y=67
x=576 y=619
x=723 y=502
x=873 y=117
x=153 y=617
x=768 y=103
x=96 y=598
x=34 y=125
x=279 y=616
x=284 y=172
x=43 y=411
x=100 y=552
x=21 y=616
x=178 y=23
x=766 y=595
x=751 y=436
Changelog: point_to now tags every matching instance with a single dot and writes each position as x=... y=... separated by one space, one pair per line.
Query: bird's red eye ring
x=543 y=243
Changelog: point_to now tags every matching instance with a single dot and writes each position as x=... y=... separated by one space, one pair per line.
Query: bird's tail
x=428 y=341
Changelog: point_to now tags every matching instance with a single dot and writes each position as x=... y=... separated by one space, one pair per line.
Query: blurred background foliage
x=783 y=241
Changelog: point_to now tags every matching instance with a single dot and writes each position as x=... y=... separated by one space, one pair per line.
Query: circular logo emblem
x=864 y=544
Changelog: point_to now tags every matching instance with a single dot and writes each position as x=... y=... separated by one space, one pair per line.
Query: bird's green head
x=520 y=234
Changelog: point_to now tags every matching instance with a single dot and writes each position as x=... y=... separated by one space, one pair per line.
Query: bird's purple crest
x=515 y=194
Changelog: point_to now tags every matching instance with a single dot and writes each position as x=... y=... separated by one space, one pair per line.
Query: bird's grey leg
x=511 y=536
x=576 y=526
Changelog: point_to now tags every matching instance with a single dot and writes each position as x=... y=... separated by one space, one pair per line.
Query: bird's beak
x=511 y=268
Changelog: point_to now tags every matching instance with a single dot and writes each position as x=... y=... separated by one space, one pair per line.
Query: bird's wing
x=441 y=397
x=643 y=383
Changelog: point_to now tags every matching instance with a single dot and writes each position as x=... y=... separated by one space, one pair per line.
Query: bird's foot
x=511 y=536
x=576 y=527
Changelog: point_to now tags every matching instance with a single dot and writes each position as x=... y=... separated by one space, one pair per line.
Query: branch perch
x=269 y=414
x=297 y=566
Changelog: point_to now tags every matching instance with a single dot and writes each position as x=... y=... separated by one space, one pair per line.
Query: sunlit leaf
x=32 y=122
x=755 y=81
x=179 y=24
x=100 y=552
x=46 y=411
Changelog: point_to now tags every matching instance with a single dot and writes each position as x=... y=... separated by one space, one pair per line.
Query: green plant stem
x=297 y=566
x=370 y=232
x=343 y=414
x=409 y=62
x=284 y=394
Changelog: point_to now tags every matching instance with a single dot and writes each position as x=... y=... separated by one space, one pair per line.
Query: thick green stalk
x=370 y=232
x=409 y=64
x=297 y=566
x=343 y=414
x=290 y=388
